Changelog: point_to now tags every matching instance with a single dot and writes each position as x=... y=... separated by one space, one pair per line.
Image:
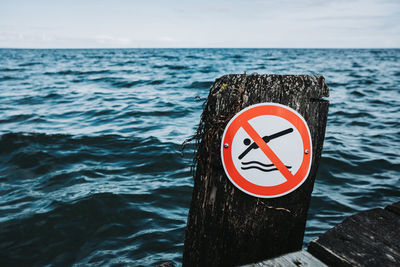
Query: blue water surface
x=90 y=165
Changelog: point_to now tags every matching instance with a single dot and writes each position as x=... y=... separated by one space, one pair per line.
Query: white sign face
x=266 y=150
x=253 y=164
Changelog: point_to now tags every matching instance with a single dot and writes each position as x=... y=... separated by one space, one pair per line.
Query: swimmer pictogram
x=266 y=139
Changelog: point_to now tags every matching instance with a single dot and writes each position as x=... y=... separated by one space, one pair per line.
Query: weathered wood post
x=225 y=225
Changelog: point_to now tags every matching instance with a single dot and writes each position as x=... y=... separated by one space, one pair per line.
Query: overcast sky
x=206 y=23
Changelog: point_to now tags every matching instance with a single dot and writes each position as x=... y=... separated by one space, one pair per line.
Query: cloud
x=110 y=40
x=10 y=39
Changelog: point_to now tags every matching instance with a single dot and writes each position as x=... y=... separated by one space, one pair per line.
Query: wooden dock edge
x=294 y=259
x=368 y=238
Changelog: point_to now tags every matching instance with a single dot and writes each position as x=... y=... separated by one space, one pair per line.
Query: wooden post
x=226 y=226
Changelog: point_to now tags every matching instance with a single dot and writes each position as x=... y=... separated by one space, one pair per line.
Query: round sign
x=266 y=150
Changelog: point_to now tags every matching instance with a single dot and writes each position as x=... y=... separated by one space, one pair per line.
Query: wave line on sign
x=261 y=169
x=257 y=162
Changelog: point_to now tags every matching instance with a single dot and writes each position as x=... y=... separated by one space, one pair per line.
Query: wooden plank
x=395 y=207
x=225 y=225
x=294 y=259
x=368 y=238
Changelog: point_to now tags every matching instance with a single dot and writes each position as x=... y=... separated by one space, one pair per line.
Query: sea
x=91 y=167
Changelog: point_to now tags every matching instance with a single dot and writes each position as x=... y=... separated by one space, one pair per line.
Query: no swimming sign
x=266 y=150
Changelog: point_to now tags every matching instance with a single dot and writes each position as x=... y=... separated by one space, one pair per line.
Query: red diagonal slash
x=267 y=150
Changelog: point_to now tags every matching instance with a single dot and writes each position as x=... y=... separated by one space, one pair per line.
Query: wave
x=70 y=227
x=8 y=78
x=208 y=69
x=11 y=69
x=174 y=112
x=171 y=67
x=17 y=118
x=157 y=82
x=53 y=95
x=13 y=141
x=74 y=232
x=193 y=57
x=119 y=82
x=73 y=72
x=43 y=154
x=30 y=64
x=352 y=114
x=357 y=93
x=196 y=85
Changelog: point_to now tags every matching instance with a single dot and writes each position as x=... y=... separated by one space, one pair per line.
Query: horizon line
x=156 y=47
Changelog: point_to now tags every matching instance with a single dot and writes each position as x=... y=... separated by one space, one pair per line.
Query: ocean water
x=91 y=171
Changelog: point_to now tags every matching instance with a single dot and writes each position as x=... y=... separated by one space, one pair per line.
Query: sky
x=206 y=23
